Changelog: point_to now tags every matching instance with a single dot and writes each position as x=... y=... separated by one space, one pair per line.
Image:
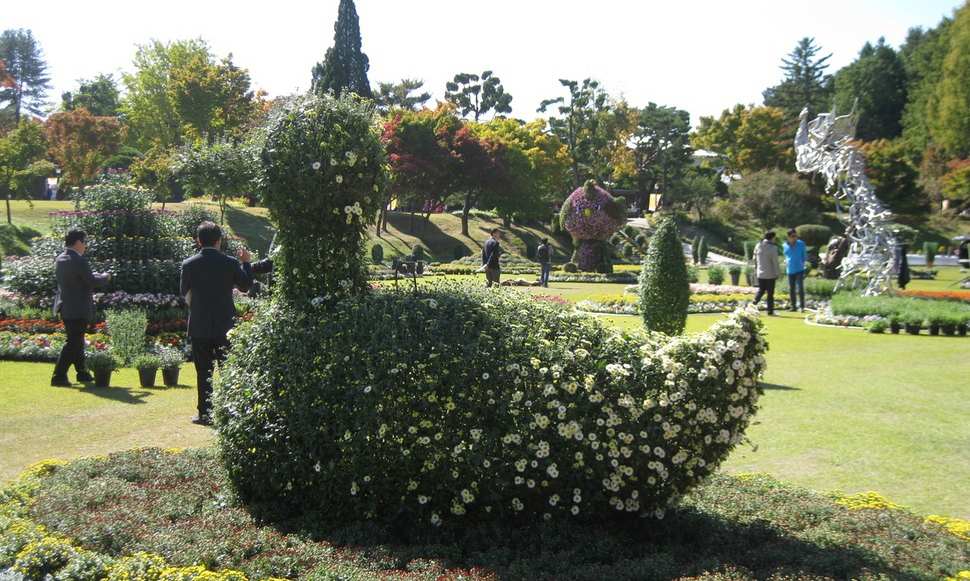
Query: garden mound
x=170 y=515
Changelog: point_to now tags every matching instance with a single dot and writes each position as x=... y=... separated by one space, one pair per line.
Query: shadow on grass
x=686 y=543
x=778 y=387
x=121 y=394
x=256 y=230
x=439 y=243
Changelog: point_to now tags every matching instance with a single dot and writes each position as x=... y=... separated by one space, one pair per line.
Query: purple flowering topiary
x=591 y=215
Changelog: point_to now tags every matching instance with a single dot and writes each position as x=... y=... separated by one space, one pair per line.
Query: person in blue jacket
x=795 y=255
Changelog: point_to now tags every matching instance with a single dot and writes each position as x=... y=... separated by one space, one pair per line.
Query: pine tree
x=25 y=64
x=805 y=83
x=344 y=67
x=664 y=290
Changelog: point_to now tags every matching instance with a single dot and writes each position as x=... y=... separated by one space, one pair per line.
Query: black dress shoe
x=84 y=376
x=60 y=382
x=202 y=420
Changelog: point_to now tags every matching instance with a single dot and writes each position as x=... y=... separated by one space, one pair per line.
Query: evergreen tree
x=344 y=67
x=805 y=83
x=478 y=94
x=922 y=55
x=399 y=95
x=25 y=65
x=876 y=83
x=664 y=290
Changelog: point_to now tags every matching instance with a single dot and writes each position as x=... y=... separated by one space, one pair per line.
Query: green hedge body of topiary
x=459 y=401
x=323 y=166
x=664 y=286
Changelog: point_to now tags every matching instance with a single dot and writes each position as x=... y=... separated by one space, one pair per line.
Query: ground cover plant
x=163 y=511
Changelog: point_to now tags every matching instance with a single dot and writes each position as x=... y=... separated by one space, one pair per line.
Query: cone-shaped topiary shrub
x=377 y=254
x=454 y=401
x=664 y=286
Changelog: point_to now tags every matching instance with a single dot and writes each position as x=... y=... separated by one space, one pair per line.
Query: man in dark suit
x=207 y=282
x=490 y=258
x=74 y=302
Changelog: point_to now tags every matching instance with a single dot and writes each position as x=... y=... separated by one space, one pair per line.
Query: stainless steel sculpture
x=824 y=146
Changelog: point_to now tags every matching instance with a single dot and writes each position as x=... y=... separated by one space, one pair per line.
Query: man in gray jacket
x=766 y=269
x=74 y=302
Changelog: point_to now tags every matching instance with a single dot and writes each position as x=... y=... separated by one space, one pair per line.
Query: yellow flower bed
x=866 y=500
x=959 y=528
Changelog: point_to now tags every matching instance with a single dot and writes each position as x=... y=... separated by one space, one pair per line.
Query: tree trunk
x=9 y=218
x=465 y=209
x=507 y=221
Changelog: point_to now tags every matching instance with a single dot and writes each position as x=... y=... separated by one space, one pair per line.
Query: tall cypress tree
x=28 y=71
x=344 y=67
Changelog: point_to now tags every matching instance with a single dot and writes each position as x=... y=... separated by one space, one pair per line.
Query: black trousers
x=766 y=286
x=206 y=351
x=73 y=351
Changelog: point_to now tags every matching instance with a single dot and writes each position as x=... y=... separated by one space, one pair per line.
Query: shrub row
x=33 y=276
x=903 y=310
x=176 y=249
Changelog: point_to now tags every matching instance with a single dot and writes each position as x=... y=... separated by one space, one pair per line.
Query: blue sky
x=700 y=55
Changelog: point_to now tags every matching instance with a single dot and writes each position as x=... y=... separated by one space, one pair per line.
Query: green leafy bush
x=127 y=330
x=715 y=275
x=702 y=251
x=820 y=287
x=570 y=267
x=455 y=400
x=814 y=235
x=377 y=254
x=190 y=216
x=664 y=286
x=929 y=251
x=693 y=274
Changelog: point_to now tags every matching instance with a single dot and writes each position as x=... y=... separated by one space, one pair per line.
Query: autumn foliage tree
x=418 y=157
x=80 y=142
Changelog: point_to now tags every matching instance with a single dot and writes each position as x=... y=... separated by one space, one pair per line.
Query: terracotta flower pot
x=170 y=376
x=147 y=377
x=102 y=377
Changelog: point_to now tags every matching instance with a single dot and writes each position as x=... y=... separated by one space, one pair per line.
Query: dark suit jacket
x=211 y=275
x=75 y=286
x=491 y=253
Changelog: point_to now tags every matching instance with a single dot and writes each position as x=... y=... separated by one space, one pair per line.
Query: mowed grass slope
x=440 y=235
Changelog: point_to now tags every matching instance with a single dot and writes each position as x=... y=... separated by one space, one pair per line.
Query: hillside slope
x=440 y=235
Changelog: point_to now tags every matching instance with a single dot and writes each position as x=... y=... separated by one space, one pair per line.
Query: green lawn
x=844 y=410
x=38 y=421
